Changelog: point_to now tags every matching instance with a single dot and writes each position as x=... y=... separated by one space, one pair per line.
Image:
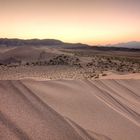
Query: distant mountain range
x=132 y=44
x=21 y=42
x=39 y=42
x=57 y=43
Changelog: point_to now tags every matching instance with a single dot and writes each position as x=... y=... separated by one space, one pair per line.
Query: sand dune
x=27 y=53
x=70 y=110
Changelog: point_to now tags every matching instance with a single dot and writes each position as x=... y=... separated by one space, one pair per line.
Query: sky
x=86 y=21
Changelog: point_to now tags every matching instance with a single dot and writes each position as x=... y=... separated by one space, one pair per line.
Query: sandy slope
x=27 y=53
x=70 y=110
x=111 y=75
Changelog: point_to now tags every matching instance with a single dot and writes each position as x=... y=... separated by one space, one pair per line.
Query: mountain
x=132 y=44
x=39 y=42
x=34 y=42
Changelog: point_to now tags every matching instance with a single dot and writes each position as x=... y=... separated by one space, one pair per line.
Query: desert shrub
x=27 y=64
x=104 y=74
x=64 y=60
x=89 y=64
x=97 y=76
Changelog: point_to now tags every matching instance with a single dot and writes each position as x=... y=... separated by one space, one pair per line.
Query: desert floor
x=70 y=109
x=52 y=93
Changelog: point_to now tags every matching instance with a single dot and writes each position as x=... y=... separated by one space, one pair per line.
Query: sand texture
x=70 y=110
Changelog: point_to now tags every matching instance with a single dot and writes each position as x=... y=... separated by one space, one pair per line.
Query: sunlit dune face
x=87 y=21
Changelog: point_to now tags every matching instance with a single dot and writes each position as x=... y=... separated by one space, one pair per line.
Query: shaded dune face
x=70 y=110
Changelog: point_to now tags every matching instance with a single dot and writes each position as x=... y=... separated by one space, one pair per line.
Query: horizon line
x=97 y=44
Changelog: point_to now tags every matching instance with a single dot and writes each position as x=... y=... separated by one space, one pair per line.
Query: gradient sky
x=85 y=21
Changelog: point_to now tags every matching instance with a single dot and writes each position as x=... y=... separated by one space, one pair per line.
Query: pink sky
x=86 y=21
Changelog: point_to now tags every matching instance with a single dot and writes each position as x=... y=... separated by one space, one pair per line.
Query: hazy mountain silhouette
x=21 y=42
x=132 y=44
x=38 y=42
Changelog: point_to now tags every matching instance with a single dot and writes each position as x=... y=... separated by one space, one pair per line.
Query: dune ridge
x=70 y=110
x=118 y=102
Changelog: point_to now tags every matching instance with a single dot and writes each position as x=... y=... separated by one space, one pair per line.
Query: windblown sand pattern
x=70 y=110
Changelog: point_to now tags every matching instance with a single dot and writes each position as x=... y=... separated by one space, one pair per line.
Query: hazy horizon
x=85 y=21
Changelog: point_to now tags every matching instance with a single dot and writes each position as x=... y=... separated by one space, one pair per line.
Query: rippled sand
x=70 y=110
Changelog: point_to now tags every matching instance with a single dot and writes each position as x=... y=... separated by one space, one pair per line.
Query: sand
x=70 y=110
x=114 y=75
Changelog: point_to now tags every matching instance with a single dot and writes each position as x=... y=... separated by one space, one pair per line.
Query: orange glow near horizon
x=85 y=21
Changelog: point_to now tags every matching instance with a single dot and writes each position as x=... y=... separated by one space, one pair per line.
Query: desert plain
x=67 y=93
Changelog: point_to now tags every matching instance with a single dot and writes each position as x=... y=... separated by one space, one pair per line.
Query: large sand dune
x=70 y=110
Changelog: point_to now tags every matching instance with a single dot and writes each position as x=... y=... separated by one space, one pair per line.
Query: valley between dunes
x=70 y=109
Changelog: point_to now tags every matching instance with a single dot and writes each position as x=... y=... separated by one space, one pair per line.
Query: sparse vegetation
x=64 y=60
x=85 y=63
x=104 y=74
